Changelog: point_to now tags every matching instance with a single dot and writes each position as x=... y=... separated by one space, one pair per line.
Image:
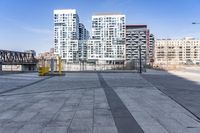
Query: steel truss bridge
x=16 y=58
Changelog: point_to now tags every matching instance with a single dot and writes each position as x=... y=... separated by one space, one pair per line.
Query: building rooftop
x=136 y=25
x=104 y=14
x=177 y=39
x=63 y=11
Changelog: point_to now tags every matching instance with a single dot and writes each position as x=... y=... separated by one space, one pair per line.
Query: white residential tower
x=107 y=45
x=66 y=30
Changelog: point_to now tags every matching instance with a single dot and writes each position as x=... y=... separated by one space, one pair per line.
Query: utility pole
x=140 y=59
x=52 y=65
x=0 y=66
x=167 y=54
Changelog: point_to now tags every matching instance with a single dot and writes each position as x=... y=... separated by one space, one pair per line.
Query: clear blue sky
x=28 y=24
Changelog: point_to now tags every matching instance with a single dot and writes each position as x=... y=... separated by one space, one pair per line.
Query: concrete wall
x=90 y=67
x=18 y=67
x=11 y=68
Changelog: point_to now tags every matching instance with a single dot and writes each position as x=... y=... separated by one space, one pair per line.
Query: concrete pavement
x=86 y=103
x=181 y=86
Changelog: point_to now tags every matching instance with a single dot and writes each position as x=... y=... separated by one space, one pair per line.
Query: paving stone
x=31 y=128
x=81 y=126
x=103 y=105
x=8 y=130
x=102 y=112
x=8 y=114
x=64 y=116
x=102 y=121
x=60 y=129
x=105 y=129
x=24 y=116
x=76 y=103
x=84 y=114
x=86 y=107
x=42 y=118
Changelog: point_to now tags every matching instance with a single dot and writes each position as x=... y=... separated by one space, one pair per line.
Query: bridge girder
x=16 y=58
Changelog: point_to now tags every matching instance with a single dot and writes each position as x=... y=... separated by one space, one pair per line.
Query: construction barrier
x=43 y=71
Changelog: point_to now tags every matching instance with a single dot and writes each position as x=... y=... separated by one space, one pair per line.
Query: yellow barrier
x=43 y=71
x=59 y=65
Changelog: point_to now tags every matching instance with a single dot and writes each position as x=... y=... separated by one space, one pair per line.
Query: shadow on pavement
x=185 y=92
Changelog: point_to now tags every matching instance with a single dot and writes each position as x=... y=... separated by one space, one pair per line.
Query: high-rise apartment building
x=177 y=51
x=151 y=48
x=138 y=35
x=111 y=41
x=107 y=44
x=83 y=32
x=82 y=45
x=68 y=31
x=82 y=50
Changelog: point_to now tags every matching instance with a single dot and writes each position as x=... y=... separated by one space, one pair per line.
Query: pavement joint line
x=26 y=123
x=123 y=119
x=39 y=92
x=20 y=111
x=68 y=128
x=93 y=110
x=158 y=88
x=30 y=119
x=54 y=116
x=33 y=93
x=45 y=124
x=103 y=71
x=163 y=125
x=197 y=118
x=21 y=87
x=14 y=72
x=10 y=108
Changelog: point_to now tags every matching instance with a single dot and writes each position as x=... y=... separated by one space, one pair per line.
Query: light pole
x=167 y=54
x=140 y=53
x=0 y=65
x=140 y=58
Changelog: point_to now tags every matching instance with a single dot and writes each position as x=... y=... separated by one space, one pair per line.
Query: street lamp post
x=140 y=58
x=0 y=66
x=140 y=54
x=167 y=54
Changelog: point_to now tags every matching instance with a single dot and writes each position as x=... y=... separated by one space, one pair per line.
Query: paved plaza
x=94 y=103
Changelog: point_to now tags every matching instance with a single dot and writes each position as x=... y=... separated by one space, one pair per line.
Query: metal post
x=0 y=66
x=59 y=65
x=43 y=62
x=167 y=55
x=52 y=65
x=140 y=54
x=83 y=65
x=80 y=67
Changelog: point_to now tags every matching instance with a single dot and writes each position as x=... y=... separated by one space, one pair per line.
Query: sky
x=28 y=24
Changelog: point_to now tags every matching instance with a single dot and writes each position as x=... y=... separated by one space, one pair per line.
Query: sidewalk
x=86 y=103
